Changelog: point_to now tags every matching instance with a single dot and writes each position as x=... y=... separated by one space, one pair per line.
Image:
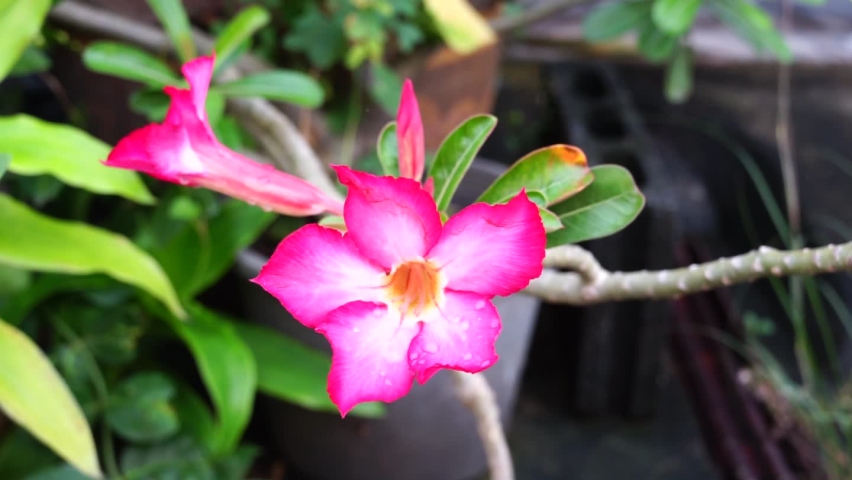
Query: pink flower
x=400 y=295
x=409 y=135
x=183 y=149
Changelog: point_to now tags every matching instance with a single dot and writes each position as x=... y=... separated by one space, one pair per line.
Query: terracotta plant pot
x=428 y=434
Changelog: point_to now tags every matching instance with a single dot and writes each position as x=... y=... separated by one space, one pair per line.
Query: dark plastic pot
x=427 y=435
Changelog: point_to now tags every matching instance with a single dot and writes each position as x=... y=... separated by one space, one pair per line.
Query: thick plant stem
x=597 y=285
x=475 y=393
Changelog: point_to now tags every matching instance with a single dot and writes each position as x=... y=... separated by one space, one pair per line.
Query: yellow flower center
x=415 y=287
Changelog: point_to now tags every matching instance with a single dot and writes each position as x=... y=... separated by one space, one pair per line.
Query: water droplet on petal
x=413 y=356
x=467 y=356
x=430 y=347
x=382 y=373
x=485 y=363
x=465 y=326
x=378 y=312
x=388 y=383
x=479 y=305
x=355 y=329
x=494 y=323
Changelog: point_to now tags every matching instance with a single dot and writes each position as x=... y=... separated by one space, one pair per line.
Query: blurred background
x=732 y=116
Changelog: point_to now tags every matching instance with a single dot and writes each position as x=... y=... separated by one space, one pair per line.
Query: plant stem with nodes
x=588 y=283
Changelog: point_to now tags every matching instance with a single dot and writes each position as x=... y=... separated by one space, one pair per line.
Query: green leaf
x=753 y=24
x=152 y=103
x=679 y=76
x=178 y=459
x=128 y=62
x=550 y=220
x=197 y=256
x=227 y=367
x=612 y=20
x=31 y=240
x=21 y=454
x=14 y=281
x=675 y=16
x=461 y=27
x=387 y=149
x=282 y=85
x=323 y=50
x=5 y=159
x=455 y=155
x=175 y=21
x=385 y=87
x=45 y=286
x=606 y=206
x=195 y=417
x=289 y=370
x=555 y=172
x=20 y=22
x=140 y=410
x=71 y=155
x=239 y=30
x=237 y=465
x=33 y=395
x=656 y=44
x=33 y=60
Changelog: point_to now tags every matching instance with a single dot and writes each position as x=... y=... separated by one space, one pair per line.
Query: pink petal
x=184 y=150
x=317 y=269
x=369 y=354
x=460 y=337
x=492 y=250
x=409 y=134
x=391 y=220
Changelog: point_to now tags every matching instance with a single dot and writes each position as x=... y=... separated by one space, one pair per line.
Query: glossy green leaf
x=197 y=256
x=140 y=409
x=175 y=21
x=238 y=30
x=282 y=85
x=20 y=22
x=69 y=154
x=34 y=241
x=34 y=396
x=128 y=62
x=606 y=206
x=754 y=24
x=555 y=172
x=227 y=367
x=152 y=103
x=455 y=155
x=293 y=372
x=195 y=417
x=45 y=286
x=675 y=16
x=679 y=76
x=14 y=281
x=656 y=44
x=238 y=464
x=387 y=149
x=550 y=220
x=611 y=20
x=5 y=159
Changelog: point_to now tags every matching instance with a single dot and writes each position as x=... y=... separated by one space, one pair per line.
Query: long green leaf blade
x=33 y=394
x=293 y=372
x=675 y=16
x=606 y=206
x=613 y=19
x=175 y=21
x=34 y=241
x=282 y=85
x=238 y=30
x=227 y=367
x=71 y=155
x=130 y=63
x=456 y=154
x=20 y=22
